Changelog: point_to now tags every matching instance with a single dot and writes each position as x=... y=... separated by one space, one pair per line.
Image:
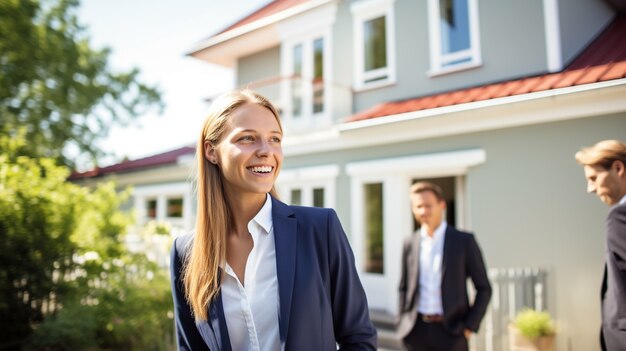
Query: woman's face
x=250 y=153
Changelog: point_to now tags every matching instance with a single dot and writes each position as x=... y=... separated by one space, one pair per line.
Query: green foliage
x=156 y=227
x=66 y=275
x=38 y=214
x=533 y=324
x=57 y=86
x=63 y=332
x=128 y=310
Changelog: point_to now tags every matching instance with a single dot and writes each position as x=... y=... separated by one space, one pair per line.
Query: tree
x=57 y=86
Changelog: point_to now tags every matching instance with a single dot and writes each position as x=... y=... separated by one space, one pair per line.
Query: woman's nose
x=263 y=149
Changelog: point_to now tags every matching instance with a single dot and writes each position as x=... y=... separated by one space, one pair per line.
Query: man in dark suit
x=604 y=165
x=434 y=309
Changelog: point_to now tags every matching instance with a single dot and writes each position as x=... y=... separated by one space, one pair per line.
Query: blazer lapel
x=448 y=245
x=414 y=269
x=285 y=239
x=214 y=331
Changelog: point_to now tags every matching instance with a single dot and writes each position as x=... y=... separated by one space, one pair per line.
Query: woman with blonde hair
x=258 y=274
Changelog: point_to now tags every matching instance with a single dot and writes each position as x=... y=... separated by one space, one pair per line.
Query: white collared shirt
x=252 y=309
x=623 y=200
x=431 y=259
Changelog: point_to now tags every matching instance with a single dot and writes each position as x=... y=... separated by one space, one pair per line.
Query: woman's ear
x=209 y=152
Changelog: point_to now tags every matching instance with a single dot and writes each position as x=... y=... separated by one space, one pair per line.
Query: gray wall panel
x=259 y=66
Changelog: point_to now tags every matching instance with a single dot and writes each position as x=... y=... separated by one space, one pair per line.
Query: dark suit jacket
x=461 y=259
x=322 y=301
x=614 y=282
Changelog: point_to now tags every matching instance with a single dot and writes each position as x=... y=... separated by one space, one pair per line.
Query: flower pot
x=518 y=342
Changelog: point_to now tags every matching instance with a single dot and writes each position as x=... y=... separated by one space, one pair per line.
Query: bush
x=67 y=281
x=129 y=310
x=533 y=324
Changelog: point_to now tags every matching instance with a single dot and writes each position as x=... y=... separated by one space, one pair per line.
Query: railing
x=513 y=289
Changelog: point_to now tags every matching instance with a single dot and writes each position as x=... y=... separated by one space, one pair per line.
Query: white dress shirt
x=252 y=309
x=431 y=258
x=623 y=200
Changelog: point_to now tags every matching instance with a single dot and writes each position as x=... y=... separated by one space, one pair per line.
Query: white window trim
x=308 y=119
x=307 y=179
x=305 y=30
x=553 y=35
x=162 y=193
x=437 y=60
x=396 y=175
x=363 y=11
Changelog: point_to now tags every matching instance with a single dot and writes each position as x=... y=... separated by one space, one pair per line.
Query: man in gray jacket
x=605 y=164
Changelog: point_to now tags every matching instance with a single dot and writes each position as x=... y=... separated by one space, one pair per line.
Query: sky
x=154 y=36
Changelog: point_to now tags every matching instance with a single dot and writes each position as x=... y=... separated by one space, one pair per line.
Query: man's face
x=427 y=209
x=608 y=184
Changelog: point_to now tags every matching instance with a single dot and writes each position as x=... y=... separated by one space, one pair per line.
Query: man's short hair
x=602 y=154
x=421 y=187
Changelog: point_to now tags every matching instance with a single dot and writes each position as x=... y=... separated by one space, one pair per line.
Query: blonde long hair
x=214 y=217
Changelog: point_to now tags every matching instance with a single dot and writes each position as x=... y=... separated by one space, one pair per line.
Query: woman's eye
x=246 y=138
x=275 y=139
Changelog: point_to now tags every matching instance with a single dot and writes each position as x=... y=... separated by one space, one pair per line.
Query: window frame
x=362 y=12
x=162 y=193
x=307 y=179
x=438 y=60
x=308 y=118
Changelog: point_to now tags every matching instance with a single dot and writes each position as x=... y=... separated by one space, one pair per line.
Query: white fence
x=513 y=289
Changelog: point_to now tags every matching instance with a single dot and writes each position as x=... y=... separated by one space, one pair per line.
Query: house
x=490 y=99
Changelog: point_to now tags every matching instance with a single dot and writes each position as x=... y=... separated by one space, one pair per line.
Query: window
x=151 y=208
x=318 y=197
x=165 y=203
x=309 y=186
x=306 y=196
x=454 y=40
x=296 y=82
x=307 y=89
x=374 y=228
x=318 y=75
x=374 y=43
x=175 y=207
x=296 y=197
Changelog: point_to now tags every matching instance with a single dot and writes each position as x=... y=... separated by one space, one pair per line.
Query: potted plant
x=532 y=331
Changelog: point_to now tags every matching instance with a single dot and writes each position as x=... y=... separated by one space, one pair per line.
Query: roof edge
x=252 y=26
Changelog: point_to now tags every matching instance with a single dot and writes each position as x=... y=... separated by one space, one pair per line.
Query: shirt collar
x=623 y=200
x=439 y=232
x=264 y=217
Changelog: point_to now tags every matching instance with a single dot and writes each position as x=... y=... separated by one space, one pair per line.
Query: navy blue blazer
x=322 y=302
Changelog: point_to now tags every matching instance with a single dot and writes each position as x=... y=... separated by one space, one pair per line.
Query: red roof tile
x=592 y=75
x=616 y=71
x=603 y=60
x=166 y=158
